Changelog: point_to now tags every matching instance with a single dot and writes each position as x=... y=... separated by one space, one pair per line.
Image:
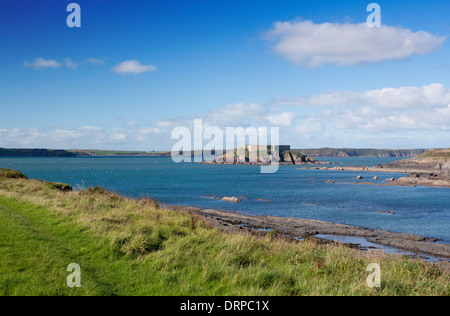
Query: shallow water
x=292 y=192
x=367 y=245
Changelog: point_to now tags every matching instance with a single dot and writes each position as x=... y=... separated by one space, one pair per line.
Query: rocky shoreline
x=298 y=228
x=422 y=171
x=316 y=162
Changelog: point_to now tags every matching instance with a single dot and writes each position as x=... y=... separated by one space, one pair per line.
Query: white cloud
x=234 y=114
x=430 y=96
x=315 y=45
x=165 y=124
x=133 y=67
x=282 y=119
x=388 y=117
x=69 y=63
x=393 y=110
x=86 y=137
x=131 y=123
x=392 y=120
x=90 y=128
x=41 y=63
x=309 y=125
x=94 y=61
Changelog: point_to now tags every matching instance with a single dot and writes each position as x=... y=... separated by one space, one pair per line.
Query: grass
x=135 y=247
x=11 y=174
x=60 y=186
x=436 y=154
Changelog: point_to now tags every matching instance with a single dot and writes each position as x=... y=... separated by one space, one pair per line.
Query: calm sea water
x=292 y=192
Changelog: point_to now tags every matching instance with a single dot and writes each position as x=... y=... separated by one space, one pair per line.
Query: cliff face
x=355 y=152
x=296 y=158
x=34 y=153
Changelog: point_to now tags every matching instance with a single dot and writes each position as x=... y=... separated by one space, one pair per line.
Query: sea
x=290 y=192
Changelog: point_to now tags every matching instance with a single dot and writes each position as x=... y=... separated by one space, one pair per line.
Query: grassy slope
x=439 y=154
x=130 y=247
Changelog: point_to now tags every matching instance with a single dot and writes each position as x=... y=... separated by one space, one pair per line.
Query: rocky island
x=285 y=156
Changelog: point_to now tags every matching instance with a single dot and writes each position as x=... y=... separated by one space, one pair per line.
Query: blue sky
x=137 y=69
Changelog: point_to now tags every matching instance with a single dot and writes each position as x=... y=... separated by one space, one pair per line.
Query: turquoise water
x=292 y=192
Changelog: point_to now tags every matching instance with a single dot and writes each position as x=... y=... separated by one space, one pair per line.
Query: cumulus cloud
x=432 y=95
x=388 y=117
x=92 y=137
x=235 y=115
x=309 y=125
x=392 y=120
x=315 y=45
x=36 y=138
x=282 y=119
x=397 y=110
x=132 y=67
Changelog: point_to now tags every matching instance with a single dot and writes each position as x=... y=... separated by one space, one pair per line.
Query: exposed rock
x=429 y=169
x=231 y=199
x=359 y=177
x=305 y=227
x=386 y=212
x=284 y=157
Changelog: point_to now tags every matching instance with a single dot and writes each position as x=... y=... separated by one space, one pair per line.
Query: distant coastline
x=318 y=152
x=18 y=152
x=361 y=152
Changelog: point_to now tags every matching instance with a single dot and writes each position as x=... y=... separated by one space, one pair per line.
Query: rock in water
x=230 y=199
